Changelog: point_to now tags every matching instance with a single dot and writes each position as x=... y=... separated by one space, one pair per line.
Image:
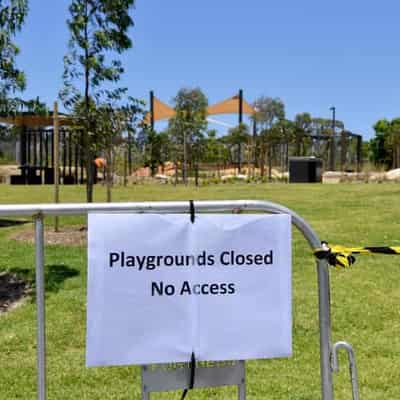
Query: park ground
x=365 y=298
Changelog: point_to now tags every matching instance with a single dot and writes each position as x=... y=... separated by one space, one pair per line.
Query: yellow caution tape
x=341 y=256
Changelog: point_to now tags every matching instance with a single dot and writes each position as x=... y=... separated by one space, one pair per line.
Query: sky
x=312 y=54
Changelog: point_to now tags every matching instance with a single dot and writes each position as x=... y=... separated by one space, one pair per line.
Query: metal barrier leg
x=242 y=386
x=40 y=308
x=352 y=365
x=325 y=330
x=145 y=392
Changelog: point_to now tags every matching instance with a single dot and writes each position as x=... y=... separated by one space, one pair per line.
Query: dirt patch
x=13 y=291
x=68 y=236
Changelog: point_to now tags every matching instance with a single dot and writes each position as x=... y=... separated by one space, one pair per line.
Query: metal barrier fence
x=328 y=352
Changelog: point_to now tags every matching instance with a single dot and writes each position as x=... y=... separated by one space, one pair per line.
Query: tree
x=236 y=137
x=113 y=121
x=188 y=127
x=268 y=112
x=395 y=142
x=98 y=29
x=285 y=131
x=156 y=148
x=215 y=150
x=276 y=140
x=385 y=146
x=302 y=131
x=12 y=79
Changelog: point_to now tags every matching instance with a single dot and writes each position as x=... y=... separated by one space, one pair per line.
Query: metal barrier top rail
x=39 y=211
x=162 y=206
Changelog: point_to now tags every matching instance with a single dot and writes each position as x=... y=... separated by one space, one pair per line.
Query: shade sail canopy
x=161 y=111
x=229 y=106
x=31 y=121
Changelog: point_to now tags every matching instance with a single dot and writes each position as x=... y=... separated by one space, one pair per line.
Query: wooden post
x=56 y=133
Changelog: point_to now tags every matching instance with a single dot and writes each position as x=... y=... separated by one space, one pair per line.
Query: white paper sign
x=160 y=288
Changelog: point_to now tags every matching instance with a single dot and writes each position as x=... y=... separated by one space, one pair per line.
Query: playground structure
x=35 y=147
x=37 y=157
x=341 y=151
x=36 y=150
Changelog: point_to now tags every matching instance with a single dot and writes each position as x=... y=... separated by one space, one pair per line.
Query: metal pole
x=63 y=137
x=152 y=129
x=40 y=308
x=352 y=365
x=56 y=148
x=24 y=150
x=240 y=106
x=152 y=110
x=242 y=385
x=23 y=146
x=46 y=149
x=325 y=330
x=240 y=123
x=29 y=146
x=76 y=178
x=332 y=155
x=254 y=144
x=34 y=134
x=68 y=134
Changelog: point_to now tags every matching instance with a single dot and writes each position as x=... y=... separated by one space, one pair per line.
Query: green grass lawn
x=365 y=299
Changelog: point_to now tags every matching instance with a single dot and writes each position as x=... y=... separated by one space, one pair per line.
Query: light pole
x=332 y=152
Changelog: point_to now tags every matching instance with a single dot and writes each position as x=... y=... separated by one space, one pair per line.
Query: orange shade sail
x=228 y=106
x=161 y=111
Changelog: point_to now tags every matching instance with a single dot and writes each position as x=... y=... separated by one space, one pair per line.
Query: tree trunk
x=270 y=163
x=89 y=155
x=90 y=171
x=239 y=159
x=109 y=175
x=176 y=172
x=253 y=156
x=262 y=161
x=196 y=175
x=125 y=168
x=248 y=153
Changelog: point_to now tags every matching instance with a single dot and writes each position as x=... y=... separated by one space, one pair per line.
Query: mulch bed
x=13 y=291
x=67 y=236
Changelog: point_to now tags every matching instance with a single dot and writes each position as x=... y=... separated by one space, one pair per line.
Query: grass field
x=365 y=299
